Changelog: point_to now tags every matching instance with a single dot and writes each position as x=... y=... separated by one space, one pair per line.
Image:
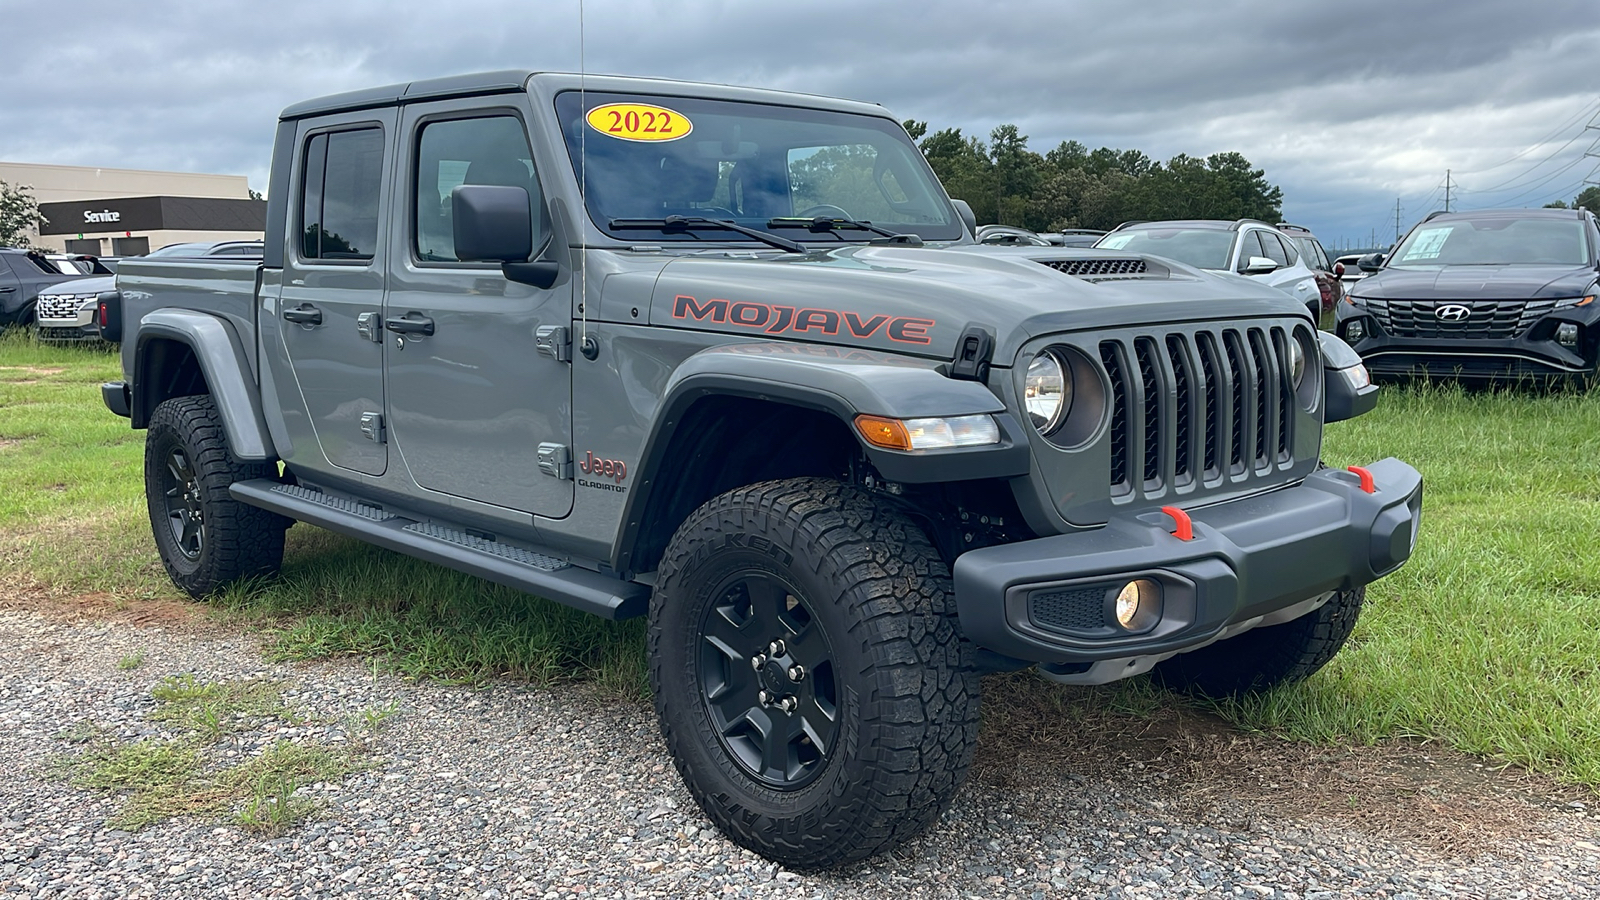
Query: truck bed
x=221 y=286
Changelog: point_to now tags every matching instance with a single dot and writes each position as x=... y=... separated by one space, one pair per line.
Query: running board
x=527 y=570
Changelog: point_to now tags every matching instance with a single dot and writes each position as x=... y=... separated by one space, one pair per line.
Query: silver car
x=1245 y=247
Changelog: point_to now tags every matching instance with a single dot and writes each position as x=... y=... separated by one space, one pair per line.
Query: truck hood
x=85 y=284
x=918 y=300
x=1495 y=282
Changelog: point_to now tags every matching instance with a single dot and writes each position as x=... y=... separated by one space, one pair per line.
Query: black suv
x=1483 y=294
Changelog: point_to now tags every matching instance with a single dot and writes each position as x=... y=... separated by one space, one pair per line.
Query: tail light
x=108 y=315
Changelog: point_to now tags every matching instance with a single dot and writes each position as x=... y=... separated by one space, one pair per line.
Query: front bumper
x=78 y=327
x=1253 y=561
x=1534 y=354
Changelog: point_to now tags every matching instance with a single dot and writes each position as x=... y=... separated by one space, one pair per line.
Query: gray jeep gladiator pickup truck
x=731 y=359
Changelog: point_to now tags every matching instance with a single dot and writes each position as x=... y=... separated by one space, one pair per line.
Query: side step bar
x=527 y=570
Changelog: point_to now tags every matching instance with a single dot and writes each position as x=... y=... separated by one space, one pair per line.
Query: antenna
x=583 y=197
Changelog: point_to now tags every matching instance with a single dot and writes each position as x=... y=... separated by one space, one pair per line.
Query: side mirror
x=1259 y=265
x=1338 y=270
x=1347 y=387
x=964 y=210
x=492 y=223
x=1372 y=262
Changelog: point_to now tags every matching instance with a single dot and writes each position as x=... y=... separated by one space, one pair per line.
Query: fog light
x=1567 y=334
x=1355 y=331
x=1139 y=605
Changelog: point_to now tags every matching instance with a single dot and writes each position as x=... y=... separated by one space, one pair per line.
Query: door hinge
x=370 y=325
x=555 y=460
x=372 y=426
x=554 y=341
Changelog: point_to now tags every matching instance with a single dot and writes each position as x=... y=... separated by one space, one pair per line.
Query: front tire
x=1263 y=658
x=812 y=685
x=207 y=539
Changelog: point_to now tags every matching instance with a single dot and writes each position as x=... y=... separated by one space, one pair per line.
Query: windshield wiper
x=672 y=224
x=825 y=224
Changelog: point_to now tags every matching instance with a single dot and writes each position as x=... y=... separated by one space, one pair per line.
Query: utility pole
x=1397 y=218
x=1446 y=190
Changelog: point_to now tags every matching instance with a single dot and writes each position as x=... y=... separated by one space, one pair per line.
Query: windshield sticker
x=639 y=122
x=1428 y=243
x=1116 y=241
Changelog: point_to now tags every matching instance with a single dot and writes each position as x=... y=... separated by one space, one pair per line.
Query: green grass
x=1488 y=641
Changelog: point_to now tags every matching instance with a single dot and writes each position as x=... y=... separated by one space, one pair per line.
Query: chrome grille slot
x=1213 y=406
x=58 y=306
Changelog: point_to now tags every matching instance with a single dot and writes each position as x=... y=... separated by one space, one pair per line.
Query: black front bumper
x=1535 y=354
x=1251 y=561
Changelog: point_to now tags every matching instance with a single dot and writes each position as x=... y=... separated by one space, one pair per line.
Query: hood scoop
x=1097 y=270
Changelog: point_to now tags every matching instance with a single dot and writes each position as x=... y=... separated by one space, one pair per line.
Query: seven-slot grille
x=1200 y=404
x=1501 y=319
x=59 y=306
x=1097 y=268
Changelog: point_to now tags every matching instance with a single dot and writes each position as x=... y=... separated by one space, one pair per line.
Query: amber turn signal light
x=880 y=432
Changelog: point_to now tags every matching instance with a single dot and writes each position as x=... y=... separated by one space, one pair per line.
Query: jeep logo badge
x=1453 y=312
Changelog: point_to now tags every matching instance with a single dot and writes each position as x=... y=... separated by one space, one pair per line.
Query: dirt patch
x=32 y=370
x=1202 y=769
x=159 y=612
x=7 y=443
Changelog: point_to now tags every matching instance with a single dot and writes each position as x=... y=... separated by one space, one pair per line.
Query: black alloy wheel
x=766 y=676
x=185 y=516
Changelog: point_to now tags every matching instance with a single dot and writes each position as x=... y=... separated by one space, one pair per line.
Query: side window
x=453 y=152
x=1250 y=245
x=339 y=197
x=1272 y=248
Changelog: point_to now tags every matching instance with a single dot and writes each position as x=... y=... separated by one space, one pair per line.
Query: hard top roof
x=1204 y=224
x=1549 y=213
x=514 y=80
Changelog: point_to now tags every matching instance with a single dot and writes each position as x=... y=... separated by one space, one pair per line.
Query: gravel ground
x=519 y=792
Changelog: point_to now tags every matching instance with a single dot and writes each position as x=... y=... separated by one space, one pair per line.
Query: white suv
x=1244 y=247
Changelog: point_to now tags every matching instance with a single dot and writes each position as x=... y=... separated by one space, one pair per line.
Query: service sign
x=639 y=122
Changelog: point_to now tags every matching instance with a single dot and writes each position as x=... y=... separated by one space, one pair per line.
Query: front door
x=470 y=396
x=332 y=292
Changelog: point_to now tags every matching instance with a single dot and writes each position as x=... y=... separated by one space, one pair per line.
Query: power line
x=1528 y=171
x=1586 y=110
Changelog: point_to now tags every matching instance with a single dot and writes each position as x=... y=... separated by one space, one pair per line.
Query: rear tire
x=1263 y=658
x=869 y=744
x=207 y=539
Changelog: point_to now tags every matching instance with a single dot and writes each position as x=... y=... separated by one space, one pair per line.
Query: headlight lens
x=1138 y=605
x=1047 y=391
x=1297 y=363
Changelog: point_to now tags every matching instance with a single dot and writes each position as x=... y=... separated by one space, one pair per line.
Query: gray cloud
x=1347 y=106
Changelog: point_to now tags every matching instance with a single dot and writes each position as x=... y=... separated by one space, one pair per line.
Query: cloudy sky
x=1347 y=105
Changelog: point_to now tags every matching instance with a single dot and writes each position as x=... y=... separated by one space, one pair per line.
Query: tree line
x=1074 y=187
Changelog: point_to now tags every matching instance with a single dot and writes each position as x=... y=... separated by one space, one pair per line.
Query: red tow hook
x=1367 y=484
x=1185 y=530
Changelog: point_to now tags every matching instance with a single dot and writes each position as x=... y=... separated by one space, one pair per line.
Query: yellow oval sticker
x=639 y=122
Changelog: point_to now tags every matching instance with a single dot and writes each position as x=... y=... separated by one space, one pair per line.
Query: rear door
x=10 y=292
x=333 y=283
x=471 y=397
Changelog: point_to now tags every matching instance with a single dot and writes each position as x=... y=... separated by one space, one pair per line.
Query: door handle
x=411 y=323
x=6 y=290
x=304 y=314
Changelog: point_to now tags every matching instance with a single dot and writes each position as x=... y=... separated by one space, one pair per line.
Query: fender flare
x=844 y=383
x=222 y=360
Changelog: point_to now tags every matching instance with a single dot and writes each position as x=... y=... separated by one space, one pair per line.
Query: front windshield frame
x=865 y=145
x=1429 y=244
x=1146 y=241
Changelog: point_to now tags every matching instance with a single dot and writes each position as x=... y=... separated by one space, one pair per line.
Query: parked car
x=1486 y=294
x=23 y=274
x=66 y=312
x=1073 y=237
x=1246 y=247
x=1349 y=271
x=1009 y=236
x=201 y=249
x=1316 y=258
x=842 y=457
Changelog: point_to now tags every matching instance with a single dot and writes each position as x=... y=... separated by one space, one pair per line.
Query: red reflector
x=1367 y=484
x=101 y=314
x=1185 y=530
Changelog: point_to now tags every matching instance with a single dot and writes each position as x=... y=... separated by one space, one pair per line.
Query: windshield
x=1202 y=248
x=1495 y=240
x=651 y=157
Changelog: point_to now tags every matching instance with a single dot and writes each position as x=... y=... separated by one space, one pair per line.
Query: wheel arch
x=181 y=353
x=746 y=413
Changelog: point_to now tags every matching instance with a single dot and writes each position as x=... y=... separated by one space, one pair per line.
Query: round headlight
x=1047 y=392
x=1297 y=362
